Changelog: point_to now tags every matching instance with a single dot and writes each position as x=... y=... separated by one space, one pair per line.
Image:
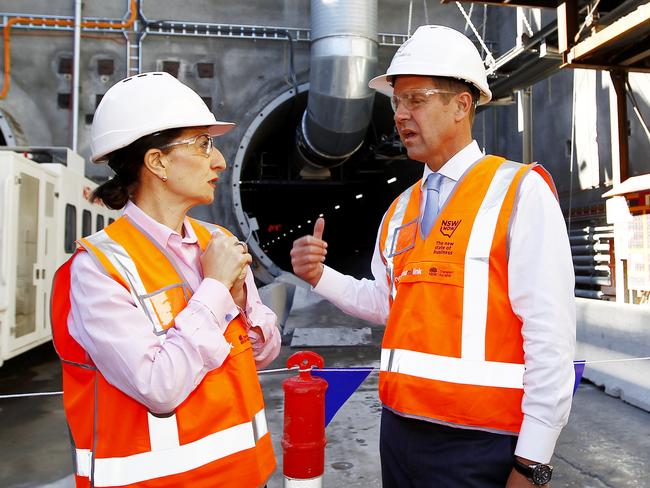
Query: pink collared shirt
x=118 y=336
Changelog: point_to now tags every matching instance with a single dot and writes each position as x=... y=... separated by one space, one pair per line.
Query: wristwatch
x=537 y=474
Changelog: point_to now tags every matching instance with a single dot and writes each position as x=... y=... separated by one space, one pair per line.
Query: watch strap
x=522 y=468
x=530 y=471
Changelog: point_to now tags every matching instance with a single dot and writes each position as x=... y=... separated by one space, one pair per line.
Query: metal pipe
x=601 y=270
x=590 y=229
x=343 y=59
x=55 y=22
x=594 y=280
x=589 y=248
x=189 y=29
x=573 y=238
x=588 y=258
x=75 y=73
x=589 y=294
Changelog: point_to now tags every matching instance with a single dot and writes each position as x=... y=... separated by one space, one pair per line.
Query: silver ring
x=242 y=244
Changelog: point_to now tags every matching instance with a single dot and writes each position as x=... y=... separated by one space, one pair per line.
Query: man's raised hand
x=308 y=254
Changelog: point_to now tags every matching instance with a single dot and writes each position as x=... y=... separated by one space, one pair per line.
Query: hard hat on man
x=436 y=50
x=144 y=104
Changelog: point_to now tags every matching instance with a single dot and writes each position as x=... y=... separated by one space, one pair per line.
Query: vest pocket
x=163 y=305
x=403 y=238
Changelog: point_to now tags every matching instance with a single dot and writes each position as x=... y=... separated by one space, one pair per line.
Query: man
x=474 y=280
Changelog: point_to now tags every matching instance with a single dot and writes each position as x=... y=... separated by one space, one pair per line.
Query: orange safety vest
x=452 y=351
x=218 y=436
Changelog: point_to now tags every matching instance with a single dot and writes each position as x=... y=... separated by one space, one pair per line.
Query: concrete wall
x=609 y=331
x=251 y=73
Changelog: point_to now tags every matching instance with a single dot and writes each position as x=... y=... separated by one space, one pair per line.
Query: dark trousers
x=419 y=454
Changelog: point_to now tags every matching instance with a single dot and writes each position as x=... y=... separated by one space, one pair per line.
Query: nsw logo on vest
x=448 y=227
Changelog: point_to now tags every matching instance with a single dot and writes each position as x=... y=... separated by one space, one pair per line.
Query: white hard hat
x=144 y=104
x=436 y=50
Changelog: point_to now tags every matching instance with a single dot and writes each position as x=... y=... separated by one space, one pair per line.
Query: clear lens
x=414 y=99
x=394 y=102
x=201 y=144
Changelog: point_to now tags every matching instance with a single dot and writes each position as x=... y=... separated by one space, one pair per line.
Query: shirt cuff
x=536 y=441
x=214 y=295
x=330 y=283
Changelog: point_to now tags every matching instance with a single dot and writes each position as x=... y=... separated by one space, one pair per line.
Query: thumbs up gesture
x=308 y=254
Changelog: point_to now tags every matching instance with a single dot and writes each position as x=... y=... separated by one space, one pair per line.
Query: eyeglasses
x=415 y=98
x=202 y=144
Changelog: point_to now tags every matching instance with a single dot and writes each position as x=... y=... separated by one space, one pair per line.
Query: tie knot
x=434 y=181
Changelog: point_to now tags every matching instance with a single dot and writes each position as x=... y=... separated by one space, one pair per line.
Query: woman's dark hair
x=127 y=163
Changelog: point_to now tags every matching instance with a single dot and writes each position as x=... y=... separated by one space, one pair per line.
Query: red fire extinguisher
x=303 y=442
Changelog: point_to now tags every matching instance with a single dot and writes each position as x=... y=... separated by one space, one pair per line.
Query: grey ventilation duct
x=343 y=59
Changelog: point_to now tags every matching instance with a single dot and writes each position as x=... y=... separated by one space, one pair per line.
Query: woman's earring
x=164 y=178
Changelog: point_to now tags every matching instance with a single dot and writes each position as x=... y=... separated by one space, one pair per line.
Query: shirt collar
x=458 y=164
x=159 y=232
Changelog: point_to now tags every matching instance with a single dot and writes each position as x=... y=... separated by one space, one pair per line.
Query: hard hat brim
x=220 y=128
x=380 y=83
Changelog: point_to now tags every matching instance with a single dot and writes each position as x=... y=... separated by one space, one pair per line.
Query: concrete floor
x=605 y=445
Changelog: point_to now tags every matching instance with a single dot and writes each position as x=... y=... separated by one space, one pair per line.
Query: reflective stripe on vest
x=452 y=370
x=123 y=263
x=167 y=461
x=393 y=224
x=475 y=291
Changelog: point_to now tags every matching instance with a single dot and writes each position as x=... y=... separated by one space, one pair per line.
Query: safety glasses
x=413 y=99
x=202 y=144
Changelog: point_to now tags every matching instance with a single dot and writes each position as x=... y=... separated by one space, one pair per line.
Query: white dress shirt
x=541 y=291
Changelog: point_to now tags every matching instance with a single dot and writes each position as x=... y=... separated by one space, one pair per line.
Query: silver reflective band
x=393 y=224
x=155 y=464
x=163 y=432
x=477 y=263
x=84 y=462
x=452 y=370
x=260 y=428
x=124 y=265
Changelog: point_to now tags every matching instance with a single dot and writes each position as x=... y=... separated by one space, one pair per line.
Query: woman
x=156 y=318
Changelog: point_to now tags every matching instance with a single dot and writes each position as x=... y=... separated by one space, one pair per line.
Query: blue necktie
x=434 y=181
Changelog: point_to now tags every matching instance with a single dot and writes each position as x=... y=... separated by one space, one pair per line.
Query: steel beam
x=619 y=79
x=567 y=23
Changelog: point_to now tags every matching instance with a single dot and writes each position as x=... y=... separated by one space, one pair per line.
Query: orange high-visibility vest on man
x=217 y=437
x=460 y=359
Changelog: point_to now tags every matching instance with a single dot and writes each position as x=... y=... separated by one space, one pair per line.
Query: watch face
x=542 y=474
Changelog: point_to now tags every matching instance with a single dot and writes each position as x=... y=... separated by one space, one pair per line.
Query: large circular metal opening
x=6 y=133
x=276 y=200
